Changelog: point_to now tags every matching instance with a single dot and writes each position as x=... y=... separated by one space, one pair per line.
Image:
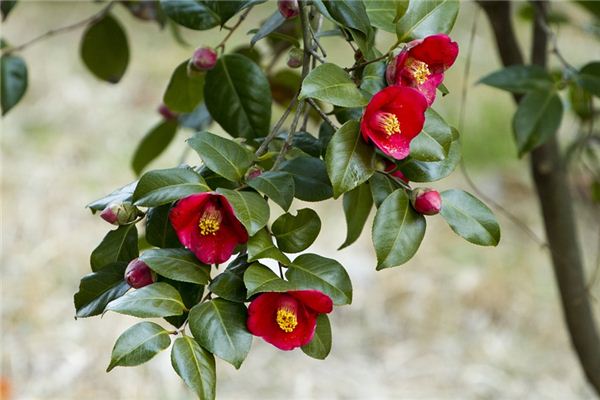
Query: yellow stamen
x=388 y=122
x=419 y=70
x=286 y=319
x=210 y=222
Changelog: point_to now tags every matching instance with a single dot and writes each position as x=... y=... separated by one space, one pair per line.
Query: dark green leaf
x=261 y=246
x=350 y=160
x=238 y=96
x=285 y=85
x=310 y=178
x=14 y=81
x=192 y=14
x=139 y=344
x=6 y=7
x=344 y=115
x=427 y=17
x=269 y=26
x=177 y=264
x=184 y=92
x=220 y=327
x=373 y=78
x=307 y=143
x=326 y=132
x=320 y=346
x=588 y=78
x=384 y=14
x=100 y=288
x=277 y=185
x=156 y=300
x=397 y=231
x=159 y=231
x=332 y=84
x=296 y=233
x=163 y=186
x=519 y=78
x=470 y=218
x=195 y=366
x=537 y=119
x=191 y=294
x=198 y=120
x=153 y=144
x=118 y=245
x=433 y=143
x=259 y=279
x=104 y=49
x=229 y=284
x=223 y=156
x=226 y=9
x=249 y=208
x=120 y=195
x=349 y=14
x=381 y=187
x=311 y=271
x=357 y=206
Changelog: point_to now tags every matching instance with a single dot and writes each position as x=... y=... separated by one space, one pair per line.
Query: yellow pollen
x=419 y=70
x=389 y=124
x=210 y=222
x=286 y=319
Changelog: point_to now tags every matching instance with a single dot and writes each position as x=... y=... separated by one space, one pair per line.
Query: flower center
x=419 y=70
x=210 y=222
x=286 y=319
x=388 y=123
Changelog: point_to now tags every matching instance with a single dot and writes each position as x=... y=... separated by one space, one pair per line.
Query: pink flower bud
x=204 y=58
x=426 y=201
x=166 y=112
x=120 y=213
x=288 y=8
x=138 y=274
x=295 y=57
x=253 y=172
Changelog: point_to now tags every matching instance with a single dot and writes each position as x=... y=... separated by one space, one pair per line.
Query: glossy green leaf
x=397 y=231
x=433 y=143
x=357 y=206
x=277 y=185
x=296 y=233
x=320 y=346
x=223 y=156
x=139 y=344
x=350 y=14
x=118 y=245
x=537 y=118
x=238 y=96
x=423 y=171
x=192 y=14
x=307 y=143
x=311 y=271
x=226 y=9
x=184 y=92
x=261 y=246
x=373 y=78
x=269 y=26
x=220 y=327
x=13 y=72
x=381 y=187
x=470 y=218
x=159 y=231
x=588 y=78
x=350 y=160
x=384 y=14
x=249 y=208
x=519 y=78
x=427 y=17
x=153 y=145
x=177 y=264
x=190 y=293
x=98 y=289
x=163 y=186
x=156 y=300
x=259 y=279
x=229 y=284
x=104 y=49
x=310 y=178
x=332 y=84
x=195 y=366
x=120 y=195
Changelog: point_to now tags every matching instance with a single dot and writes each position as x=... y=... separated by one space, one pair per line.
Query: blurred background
x=456 y=322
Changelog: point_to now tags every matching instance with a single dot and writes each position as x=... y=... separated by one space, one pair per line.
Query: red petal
x=186 y=214
x=314 y=299
x=231 y=220
x=438 y=51
x=429 y=87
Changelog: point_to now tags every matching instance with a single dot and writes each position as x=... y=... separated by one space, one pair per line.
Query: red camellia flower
x=393 y=117
x=390 y=166
x=205 y=224
x=287 y=320
x=421 y=64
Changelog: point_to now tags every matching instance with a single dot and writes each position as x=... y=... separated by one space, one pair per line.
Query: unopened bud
x=204 y=58
x=166 y=112
x=426 y=201
x=120 y=213
x=138 y=274
x=253 y=172
x=390 y=166
x=295 y=57
x=288 y=8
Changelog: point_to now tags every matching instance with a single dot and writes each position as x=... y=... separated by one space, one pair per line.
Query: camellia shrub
x=192 y=243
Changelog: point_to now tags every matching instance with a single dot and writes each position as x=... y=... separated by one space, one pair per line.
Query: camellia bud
x=295 y=57
x=426 y=201
x=166 y=112
x=138 y=274
x=204 y=58
x=288 y=8
x=253 y=172
x=120 y=213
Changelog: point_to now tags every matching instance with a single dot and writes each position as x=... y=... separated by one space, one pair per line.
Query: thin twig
x=314 y=36
x=89 y=20
x=290 y=137
x=269 y=138
x=357 y=66
x=233 y=29
x=317 y=56
x=322 y=114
